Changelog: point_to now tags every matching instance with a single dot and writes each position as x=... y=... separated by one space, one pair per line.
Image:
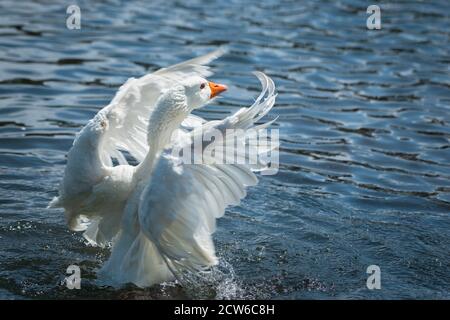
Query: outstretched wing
x=193 y=67
x=130 y=109
x=179 y=207
x=93 y=190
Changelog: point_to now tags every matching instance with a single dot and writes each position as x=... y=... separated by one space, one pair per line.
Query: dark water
x=364 y=122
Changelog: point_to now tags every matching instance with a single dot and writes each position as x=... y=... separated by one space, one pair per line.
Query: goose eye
x=202 y=86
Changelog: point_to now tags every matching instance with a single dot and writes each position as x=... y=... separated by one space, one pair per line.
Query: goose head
x=200 y=91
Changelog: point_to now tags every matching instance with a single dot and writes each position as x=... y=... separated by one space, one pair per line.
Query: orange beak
x=216 y=88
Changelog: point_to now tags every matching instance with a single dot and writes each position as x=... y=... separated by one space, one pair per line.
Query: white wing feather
x=179 y=206
x=129 y=111
x=94 y=191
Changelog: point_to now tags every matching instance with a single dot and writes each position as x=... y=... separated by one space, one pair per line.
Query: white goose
x=160 y=214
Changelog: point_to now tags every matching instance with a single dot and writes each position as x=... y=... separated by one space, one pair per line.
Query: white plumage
x=160 y=214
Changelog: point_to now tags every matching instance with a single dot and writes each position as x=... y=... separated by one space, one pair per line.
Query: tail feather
x=136 y=259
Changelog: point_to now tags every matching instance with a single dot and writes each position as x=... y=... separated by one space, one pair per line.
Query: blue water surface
x=364 y=121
